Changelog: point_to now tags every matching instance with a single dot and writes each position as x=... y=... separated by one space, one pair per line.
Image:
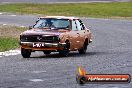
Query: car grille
x=39 y=38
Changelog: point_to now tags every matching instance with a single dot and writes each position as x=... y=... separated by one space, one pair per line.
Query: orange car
x=55 y=34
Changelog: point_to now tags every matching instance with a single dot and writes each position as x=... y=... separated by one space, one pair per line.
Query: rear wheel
x=65 y=51
x=84 y=48
x=25 y=53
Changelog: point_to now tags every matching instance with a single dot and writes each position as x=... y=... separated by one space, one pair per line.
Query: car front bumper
x=42 y=45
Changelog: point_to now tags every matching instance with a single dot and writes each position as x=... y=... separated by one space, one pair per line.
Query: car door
x=73 y=36
x=81 y=33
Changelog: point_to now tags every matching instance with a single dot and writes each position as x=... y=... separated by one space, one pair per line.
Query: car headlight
x=23 y=38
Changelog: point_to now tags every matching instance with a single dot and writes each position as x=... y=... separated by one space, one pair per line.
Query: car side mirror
x=89 y=27
x=30 y=27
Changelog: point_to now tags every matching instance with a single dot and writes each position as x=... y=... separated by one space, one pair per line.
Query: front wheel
x=25 y=53
x=65 y=51
x=84 y=48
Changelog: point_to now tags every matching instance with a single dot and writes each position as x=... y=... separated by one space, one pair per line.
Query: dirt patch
x=11 y=31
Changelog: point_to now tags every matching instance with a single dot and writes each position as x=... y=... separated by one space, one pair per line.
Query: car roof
x=60 y=17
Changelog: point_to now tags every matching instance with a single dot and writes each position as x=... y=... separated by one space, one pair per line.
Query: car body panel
x=75 y=37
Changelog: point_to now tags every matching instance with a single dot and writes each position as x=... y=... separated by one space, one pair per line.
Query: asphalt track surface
x=110 y=53
x=58 y=1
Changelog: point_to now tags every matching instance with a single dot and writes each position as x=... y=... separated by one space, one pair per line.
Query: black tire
x=84 y=48
x=25 y=53
x=65 y=51
x=47 y=52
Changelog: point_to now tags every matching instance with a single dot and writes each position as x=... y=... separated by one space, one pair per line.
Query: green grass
x=8 y=43
x=115 y=9
x=9 y=37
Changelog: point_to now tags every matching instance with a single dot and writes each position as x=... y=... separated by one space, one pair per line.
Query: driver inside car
x=49 y=24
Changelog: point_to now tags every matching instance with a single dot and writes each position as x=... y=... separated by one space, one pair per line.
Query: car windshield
x=52 y=23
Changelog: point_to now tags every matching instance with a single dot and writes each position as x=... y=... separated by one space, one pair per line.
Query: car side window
x=74 y=27
x=79 y=26
x=83 y=27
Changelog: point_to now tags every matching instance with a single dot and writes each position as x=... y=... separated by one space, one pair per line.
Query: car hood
x=43 y=32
